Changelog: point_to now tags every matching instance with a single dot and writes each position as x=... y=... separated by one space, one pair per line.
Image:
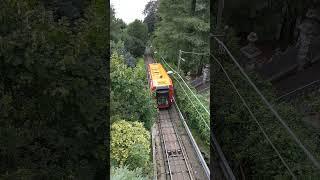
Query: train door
x=162 y=98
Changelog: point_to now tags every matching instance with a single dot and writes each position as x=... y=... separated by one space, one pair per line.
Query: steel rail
x=165 y=147
x=224 y=164
x=193 y=142
x=186 y=159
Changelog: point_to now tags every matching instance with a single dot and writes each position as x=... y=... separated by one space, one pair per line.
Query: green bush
x=241 y=138
x=130 y=97
x=123 y=173
x=136 y=39
x=130 y=144
x=196 y=120
x=53 y=90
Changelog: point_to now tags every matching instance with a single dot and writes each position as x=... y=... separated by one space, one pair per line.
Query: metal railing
x=193 y=142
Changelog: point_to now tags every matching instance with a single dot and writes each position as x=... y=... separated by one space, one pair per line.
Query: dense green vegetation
x=137 y=38
x=132 y=108
x=123 y=173
x=150 y=12
x=132 y=115
x=134 y=36
x=197 y=118
x=53 y=100
x=242 y=140
x=246 y=148
x=130 y=144
x=183 y=25
x=129 y=94
x=196 y=115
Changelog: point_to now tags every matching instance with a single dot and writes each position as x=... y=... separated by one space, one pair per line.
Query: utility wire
x=227 y=171
x=307 y=152
x=238 y=66
x=185 y=84
x=190 y=52
x=189 y=98
x=192 y=103
x=246 y=105
x=298 y=89
x=226 y=168
x=253 y=116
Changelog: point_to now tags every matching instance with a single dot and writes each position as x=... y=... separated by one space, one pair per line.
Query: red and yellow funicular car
x=160 y=85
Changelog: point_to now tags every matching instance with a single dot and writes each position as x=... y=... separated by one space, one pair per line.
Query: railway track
x=176 y=163
x=176 y=157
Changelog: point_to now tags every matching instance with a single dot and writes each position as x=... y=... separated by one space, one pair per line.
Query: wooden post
x=179 y=60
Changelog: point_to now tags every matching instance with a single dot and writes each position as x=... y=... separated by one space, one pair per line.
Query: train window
x=162 y=100
x=162 y=97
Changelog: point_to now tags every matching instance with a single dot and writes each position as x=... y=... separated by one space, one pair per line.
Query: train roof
x=159 y=75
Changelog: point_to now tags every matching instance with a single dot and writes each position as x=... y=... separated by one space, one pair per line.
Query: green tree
x=150 y=11
x=183 y=25
x=52 y=90
x=137 y=38
x=240 y=137
x=123 y=173
x=130 y=144
x=117 y=27
x=130 y=98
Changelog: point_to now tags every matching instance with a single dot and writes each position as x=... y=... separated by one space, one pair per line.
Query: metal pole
x=179 y=60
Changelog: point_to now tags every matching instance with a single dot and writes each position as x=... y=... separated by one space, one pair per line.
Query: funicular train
x=160 y=85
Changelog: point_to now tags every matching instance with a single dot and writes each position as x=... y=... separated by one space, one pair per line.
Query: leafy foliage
x=130 y=144
x=130 y=98
x=122 y=51
x=53 y=91
x=150 y=11
x=132 y=108
x=137 y=38
x=128 y=40
x=241 y=138
x=123 y=173
x=183 y=25
x=117 y=27
x=197 y=117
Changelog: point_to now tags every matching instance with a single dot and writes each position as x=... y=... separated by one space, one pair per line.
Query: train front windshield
x=163 y=97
